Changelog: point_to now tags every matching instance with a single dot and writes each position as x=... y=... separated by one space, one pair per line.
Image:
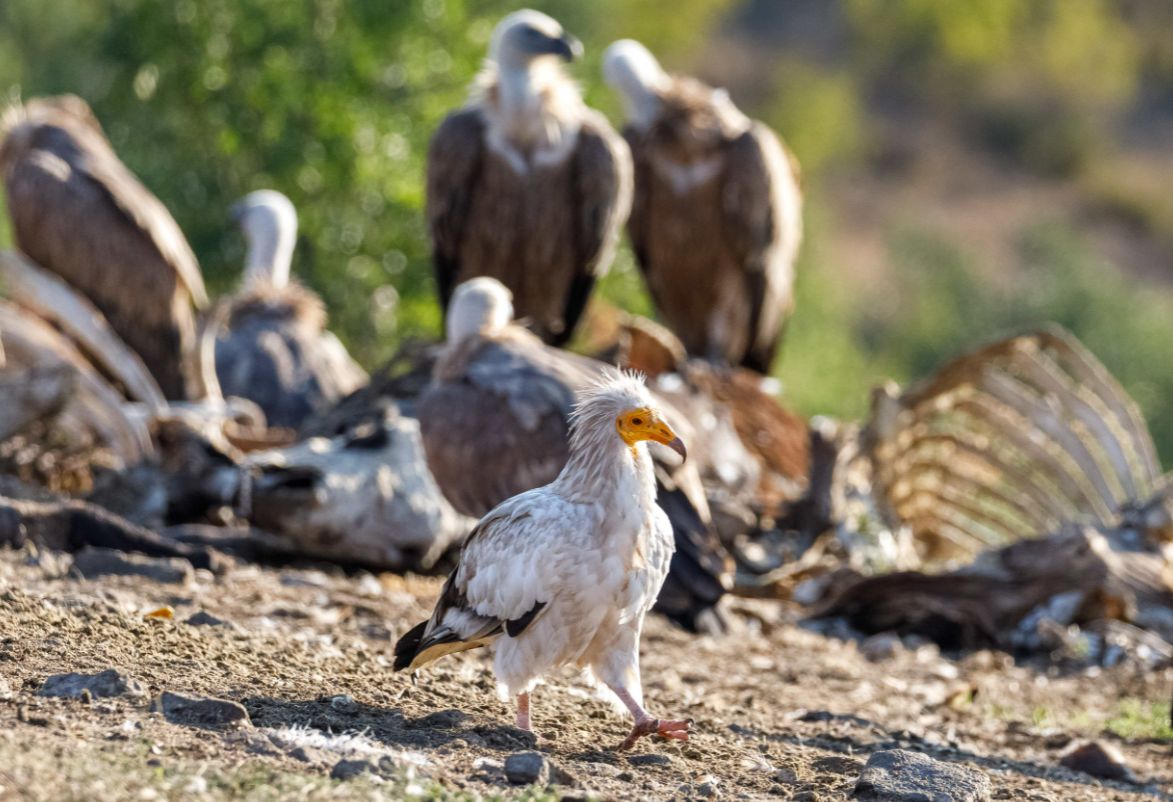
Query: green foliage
x=333 y=103
x=1136 y=720
x=819 y=113
x=939 y=305
x=1031 y=80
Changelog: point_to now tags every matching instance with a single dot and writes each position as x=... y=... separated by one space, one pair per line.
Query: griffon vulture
x=77 y=211
x=272 y=346
x=496 y=422
x=526 y=184
x=716 y=219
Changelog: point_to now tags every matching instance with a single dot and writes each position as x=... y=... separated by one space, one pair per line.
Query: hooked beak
x=566 y=47
x=657 y=430
x=236 y=211
x=677 y=445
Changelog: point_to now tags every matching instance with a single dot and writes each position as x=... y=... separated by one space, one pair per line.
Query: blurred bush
x=333 y=103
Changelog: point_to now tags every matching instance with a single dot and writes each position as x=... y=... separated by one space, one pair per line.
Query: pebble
x=110 y=682
x=1098 y=759
x=93 y=562
x=197 y=712
x=879 y=648
x=204 y=619
x=348 y=769
x=5 y=689
x=650 y=759
x=708 y=787
x=898 y=775
x=527 y=768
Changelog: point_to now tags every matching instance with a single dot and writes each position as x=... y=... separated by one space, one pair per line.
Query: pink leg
x=646 y=725
x=523 y=711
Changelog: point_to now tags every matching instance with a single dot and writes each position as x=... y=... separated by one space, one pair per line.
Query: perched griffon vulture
x=272 y=346
x=526 y=184
x=77 y=211
x=565 y=573
x=496 y=419
x=716 y=219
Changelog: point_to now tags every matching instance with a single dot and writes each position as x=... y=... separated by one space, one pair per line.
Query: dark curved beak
x=566 y=47
x=236 y=211
x=677 y=445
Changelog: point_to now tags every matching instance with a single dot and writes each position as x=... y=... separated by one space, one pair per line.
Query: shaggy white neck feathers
x=632 y=70
x=602 y=468
x=480 y=305
x=269 y=222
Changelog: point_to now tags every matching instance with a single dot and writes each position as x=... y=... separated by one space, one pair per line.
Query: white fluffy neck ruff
x=479 y=306
x=602 y=467
x=269 y=222
x=632 y=70
x=535 y=109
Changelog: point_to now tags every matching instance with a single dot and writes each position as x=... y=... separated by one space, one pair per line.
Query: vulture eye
x=637 y=421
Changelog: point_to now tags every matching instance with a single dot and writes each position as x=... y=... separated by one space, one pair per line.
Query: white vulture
x=495 y=421
x=525 y=183
x=565 y=573
x=77 y=211
x=271 y=344
x=716 y=218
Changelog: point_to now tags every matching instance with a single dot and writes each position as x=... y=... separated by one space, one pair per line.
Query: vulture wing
x=454 y=161
x=78 y=211
x=503 y=581
x=759 y=201
x=495 y=424
x=602 y=177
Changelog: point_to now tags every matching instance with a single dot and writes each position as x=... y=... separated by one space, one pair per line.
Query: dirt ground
x=781 y=712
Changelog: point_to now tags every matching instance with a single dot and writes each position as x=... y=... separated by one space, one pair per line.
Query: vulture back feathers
x=716 y=218
x=526 y=184
x=77 y=211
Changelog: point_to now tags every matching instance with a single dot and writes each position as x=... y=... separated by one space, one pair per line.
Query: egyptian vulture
x=271 y=344
x=77 y=211
x=495 y=421
x=525 y=183
x=565 y=573
x=716 y=218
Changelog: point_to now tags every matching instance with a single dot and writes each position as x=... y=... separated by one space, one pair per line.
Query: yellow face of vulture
x=645 y=423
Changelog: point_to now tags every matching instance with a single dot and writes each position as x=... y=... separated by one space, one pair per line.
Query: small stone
x=527 y=768
x=650 y=759
x=441 y=718
x=879 y=648
x=5 y=689
x=343 y=703
x=105 y=683
x=579 y=795
x=349 y=769
x=897 y=775
x=1098 y=759
x=208 y=713
x=204 y=619
x=784 y=777
x=708 y=787
x=306 y=754
x=92 y=563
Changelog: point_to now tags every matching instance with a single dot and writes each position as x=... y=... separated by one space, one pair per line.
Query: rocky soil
x=266 y=684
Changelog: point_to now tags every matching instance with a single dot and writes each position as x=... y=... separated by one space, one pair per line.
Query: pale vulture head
x=269 y=222
x=632 y=70
x=479 y=306
x=620 y=405
x=527 y=37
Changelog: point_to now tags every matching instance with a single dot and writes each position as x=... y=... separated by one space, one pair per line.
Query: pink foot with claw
x=664 y=728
